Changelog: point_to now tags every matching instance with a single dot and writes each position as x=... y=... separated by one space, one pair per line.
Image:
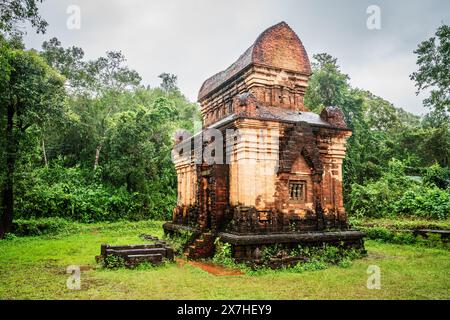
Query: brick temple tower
x=264 y=170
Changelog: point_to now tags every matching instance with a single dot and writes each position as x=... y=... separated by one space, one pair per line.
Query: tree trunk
x=44 y=153
x=8 y=190
x=97 y=155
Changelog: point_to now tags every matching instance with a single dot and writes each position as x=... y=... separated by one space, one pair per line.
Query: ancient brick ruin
x=276 y=174
x=132 y=255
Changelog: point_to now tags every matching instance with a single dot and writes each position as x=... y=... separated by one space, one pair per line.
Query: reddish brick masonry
x=283 y=176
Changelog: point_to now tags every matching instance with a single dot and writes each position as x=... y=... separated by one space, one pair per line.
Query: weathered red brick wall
x=221 y=194
x=273 y=72
x=279 y=46
x=275 y=69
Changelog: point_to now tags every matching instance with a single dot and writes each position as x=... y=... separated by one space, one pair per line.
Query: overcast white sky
x=197 y=38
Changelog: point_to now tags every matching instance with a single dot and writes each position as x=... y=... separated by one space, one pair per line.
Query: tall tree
x=14 y=13
x=107 y=78
x=96 y=86
x=433 y=59
x=328 y=85
x=92 y=77
x=380 y=130
x=138 y=149
x=32 y=93
x=169 y=82
x=68 y=61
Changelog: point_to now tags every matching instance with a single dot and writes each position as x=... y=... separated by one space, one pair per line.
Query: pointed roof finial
x=278 y=47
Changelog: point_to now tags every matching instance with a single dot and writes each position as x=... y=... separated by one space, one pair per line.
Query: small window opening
x=297 y=191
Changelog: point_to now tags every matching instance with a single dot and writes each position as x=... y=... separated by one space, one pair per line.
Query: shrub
x=321 y=258
x=310 y=266
x=180 y=239
x=437 y=176
x=378 y=233
x=37 y=227
x=395 y=195
x=402 y=237
x=426 y=202
x=223 y=254
x=78 y=195
x=113 y=262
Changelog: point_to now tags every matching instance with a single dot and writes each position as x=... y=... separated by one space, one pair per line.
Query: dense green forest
x=86 y=140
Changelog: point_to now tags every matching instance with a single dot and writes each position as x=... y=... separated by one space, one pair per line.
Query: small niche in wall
x=297 y=191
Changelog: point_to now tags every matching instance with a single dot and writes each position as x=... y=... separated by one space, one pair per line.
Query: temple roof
x=278 y=47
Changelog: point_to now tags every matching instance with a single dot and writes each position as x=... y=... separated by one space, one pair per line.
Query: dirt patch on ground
x=378 y=256
x=58 y=269
x=92 y=283
x=211 y=268
x=86 y=268
x=180 y=262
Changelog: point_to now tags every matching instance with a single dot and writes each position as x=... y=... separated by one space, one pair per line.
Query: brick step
x=202 y=247
x=129 y=252
x=151 y=255
x=140 y=246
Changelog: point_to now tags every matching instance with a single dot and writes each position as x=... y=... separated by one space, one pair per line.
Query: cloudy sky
x=197 y=38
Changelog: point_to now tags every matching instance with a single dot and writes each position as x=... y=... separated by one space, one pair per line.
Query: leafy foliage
x=38 y=227
x=375 y=184
x=437 y=176
x=169 y=82
x=433 y=59
x=395 y=194
x=328 y=86
x=81 y=195
x=223 y=254
x=386 y=235
x=32 y=93
x=13 y=13
x=112 y=261
x=313 y=258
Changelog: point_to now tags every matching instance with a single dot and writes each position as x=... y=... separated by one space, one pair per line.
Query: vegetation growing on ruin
x=311 y=258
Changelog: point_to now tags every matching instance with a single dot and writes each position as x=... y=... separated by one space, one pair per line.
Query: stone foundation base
x=170 y=228
x=249 y=247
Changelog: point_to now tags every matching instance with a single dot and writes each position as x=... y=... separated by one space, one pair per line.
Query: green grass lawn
x=34 y=268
